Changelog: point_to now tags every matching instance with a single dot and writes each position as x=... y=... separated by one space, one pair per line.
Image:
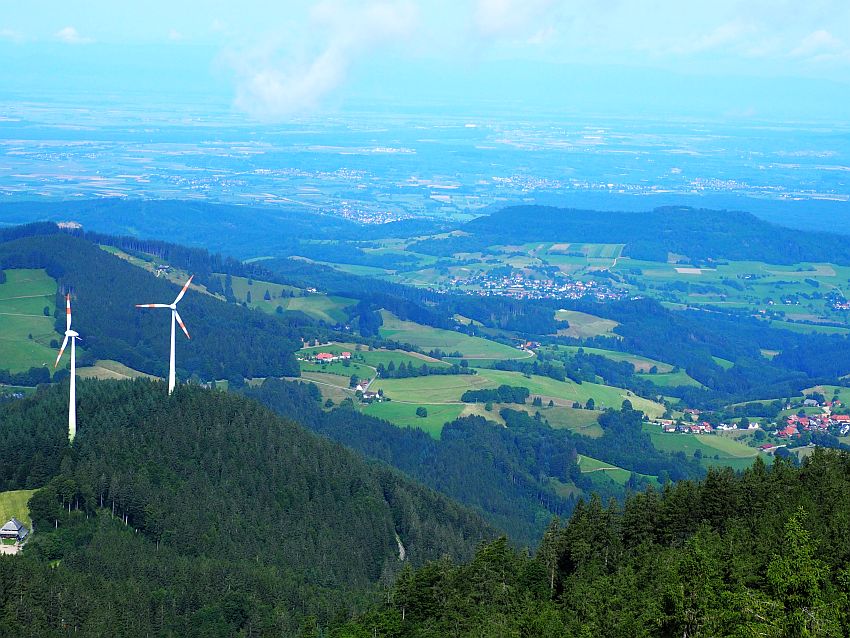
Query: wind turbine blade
x=61 y=350
x=185 y=288
x=182 y=325
x=152 y=305
x=67 y=312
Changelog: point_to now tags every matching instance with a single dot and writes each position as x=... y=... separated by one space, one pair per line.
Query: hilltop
x=202 y=513
x=698 y=234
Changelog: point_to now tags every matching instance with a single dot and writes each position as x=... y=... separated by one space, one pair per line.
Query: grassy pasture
x=332 y=380
x=641 y=364
x=108 y=369
x=449 y=388
x=22 y=301
x=582 y=422
x=320 y=307
x=432 y=389
x=598 y=469
x=338 y=368
x=14 y=503
x=375 y=357
x=429 y=338
x=671 y=379
x=731 y=452
x=808 y=328
x=723 y=363
x=404 y=414
x=583 y=325
x=567 y=392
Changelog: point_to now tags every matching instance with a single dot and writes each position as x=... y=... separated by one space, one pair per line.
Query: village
x=519 y=286
x=793 y=430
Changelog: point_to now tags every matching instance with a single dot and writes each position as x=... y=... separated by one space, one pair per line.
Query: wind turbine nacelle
x=72 y=333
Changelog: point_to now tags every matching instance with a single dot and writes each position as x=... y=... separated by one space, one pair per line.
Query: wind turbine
x=73 y=336
x=175 y=317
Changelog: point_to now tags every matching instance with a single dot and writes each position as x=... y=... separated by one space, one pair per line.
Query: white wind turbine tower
x=175 y=317
x=73 y=336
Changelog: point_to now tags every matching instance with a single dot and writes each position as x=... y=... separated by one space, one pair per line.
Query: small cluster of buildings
x=329 y=357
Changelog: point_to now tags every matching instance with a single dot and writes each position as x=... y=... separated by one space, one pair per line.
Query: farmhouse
x=14 y=529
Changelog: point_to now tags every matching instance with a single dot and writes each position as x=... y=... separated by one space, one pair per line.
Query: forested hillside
x=506 y=473
x=226 y=339
x=701 y=235
x=764 y=553
x=201 y=514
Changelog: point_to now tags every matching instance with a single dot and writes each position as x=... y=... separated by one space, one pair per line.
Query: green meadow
x=404 y=415
x=25 y=332
x=728 y=450
x=449 y=341
x=600 y=471
x=583 y=325
x=14 y=503
x=450 y=388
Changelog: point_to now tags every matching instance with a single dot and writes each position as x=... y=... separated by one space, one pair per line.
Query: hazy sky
x=276 y=60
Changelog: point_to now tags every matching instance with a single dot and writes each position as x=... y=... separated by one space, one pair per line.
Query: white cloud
x=281 y=79
x=499 y=18
x=11 y=35
x=820 y=42
x=69 y=35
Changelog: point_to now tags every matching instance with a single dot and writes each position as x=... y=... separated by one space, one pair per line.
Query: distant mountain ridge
x=700 y=234
x=240 y=231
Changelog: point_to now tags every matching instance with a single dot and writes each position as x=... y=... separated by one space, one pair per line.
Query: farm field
x=25 y=332
x=431 y=389
x=428 y=338
x=583 y=325
x=828 y=391
x=582 y=422
x=108 y=369
x=331 y=386
x=729 y=451
x=14 y=503
x=567 y=392
x=671 y=379
x=449 y=388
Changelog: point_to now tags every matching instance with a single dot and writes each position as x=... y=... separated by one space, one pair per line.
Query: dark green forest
x=201 y=514
x=763 y=553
